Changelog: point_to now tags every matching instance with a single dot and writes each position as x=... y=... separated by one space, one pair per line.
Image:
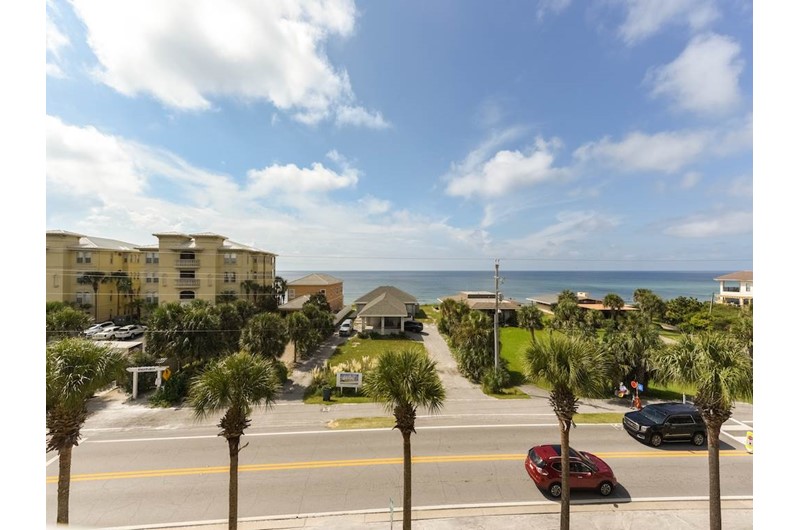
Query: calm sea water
x=428 y=286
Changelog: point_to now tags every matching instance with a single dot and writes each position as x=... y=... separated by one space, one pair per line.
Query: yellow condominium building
x=108 y=274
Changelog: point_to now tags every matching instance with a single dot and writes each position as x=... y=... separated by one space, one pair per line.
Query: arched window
x=187 y=295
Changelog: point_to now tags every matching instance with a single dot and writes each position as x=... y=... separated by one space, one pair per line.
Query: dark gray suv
x=666 y=422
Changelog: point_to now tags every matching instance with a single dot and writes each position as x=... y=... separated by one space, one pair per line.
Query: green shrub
x=494 y=380
x=172 y=391
x=281 y=370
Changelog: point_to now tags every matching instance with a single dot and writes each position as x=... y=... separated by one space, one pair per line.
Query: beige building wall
x=203 y=266
x=197 y=266
x=69 y=256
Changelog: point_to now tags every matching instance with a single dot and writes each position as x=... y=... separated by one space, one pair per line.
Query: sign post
x=159 y=369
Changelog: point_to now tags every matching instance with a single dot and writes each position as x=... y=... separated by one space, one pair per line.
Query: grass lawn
x=599 y=417
x=513 y=343
x=356 y=349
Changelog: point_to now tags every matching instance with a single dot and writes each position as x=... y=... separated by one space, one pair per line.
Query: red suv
x=586 y=471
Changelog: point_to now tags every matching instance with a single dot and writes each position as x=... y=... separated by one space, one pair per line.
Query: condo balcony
x=187 y=263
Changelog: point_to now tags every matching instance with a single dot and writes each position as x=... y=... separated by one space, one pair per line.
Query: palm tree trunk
x=564 y=475
x=64 y=470
x=715 y=505
x=406 y=481
x=233 y=483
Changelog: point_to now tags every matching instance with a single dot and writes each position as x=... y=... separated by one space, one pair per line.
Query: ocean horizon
x=429 y=286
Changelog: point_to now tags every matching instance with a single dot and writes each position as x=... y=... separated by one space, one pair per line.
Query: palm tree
x=404 y=380
x=75 y=370
x=531 y=318
x=93 y=278
x=615 y=302
x=122 y=282
x=280 y=285
x=265 y=334
x=722 y=371
x=298 y=327
x=234 y=385
x=575 y=368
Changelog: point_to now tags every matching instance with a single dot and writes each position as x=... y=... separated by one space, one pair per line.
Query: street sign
x=349 y=379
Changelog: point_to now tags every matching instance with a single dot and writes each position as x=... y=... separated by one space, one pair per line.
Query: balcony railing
x=184 y=263
x=187 y=282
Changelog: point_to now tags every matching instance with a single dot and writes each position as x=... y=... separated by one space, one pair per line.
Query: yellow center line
x=362 y=462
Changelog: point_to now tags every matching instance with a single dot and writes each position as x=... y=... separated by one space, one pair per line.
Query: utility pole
x=496 y=312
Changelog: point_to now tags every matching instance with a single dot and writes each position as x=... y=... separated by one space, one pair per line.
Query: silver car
x=130 y=331
x=109 y=333
x=89 y=332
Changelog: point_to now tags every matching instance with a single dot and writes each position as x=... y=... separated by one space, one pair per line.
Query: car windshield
x=536 y=459
x=653 y=414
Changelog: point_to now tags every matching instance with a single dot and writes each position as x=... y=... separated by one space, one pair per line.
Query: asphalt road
x=132 y=478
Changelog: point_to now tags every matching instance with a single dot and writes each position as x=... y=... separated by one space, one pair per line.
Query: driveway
x=458 y=387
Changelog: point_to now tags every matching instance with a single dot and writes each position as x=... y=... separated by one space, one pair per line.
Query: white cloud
x=662 y=152
x=56 y=41
x=347 y=115
x=712 y=225
x=184 y=53
x=668 y=151
x=740 y=187
x=546 y=7
x=292 y=179
x=690 y=180
x=704 y=78
x=505 y=172
x=562 y=237
x=647 y=17
x=105 y=185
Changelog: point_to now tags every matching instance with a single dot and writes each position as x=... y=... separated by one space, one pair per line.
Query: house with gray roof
x=384 y=309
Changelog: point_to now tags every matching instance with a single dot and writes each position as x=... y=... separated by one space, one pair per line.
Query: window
x=150 y=277
x=681 y=420
x=187 y=295
x=187 y=274
x=151 y=257
x=83 y=298
x=229 y=258
x=84 y=257
x=151 y=297
x=229 y=277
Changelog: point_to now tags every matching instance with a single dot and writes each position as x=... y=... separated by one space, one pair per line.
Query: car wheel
x=656 y=440
x=555 y=489
x=606 y=488
x=698 y=438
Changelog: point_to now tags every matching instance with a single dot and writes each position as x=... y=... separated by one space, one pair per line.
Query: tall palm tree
x=234 y=385
x=93 y=278
x=575 y=368
x=265 y=334
x=298 y=327
x=75 y=370
x=531 y=318
x=122 y=282
x=404 y=380
x=280 y=285
x=722 y=371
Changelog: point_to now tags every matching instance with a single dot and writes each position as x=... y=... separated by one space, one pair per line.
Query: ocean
x=429 y=286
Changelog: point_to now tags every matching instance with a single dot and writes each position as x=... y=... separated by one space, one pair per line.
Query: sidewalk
x=679 y=514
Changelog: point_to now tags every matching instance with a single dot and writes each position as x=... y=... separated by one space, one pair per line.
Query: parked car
x=97 y=327
x=412 y=326
x=666 y=422
x=131 y=331
x=108 y=333
x=586 y=471
x=346 y=328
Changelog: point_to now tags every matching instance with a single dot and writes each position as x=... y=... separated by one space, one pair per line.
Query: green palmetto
x=75 y=370
x=234 y=386
x=575 y=368
x=403 y=381
x=722 y=371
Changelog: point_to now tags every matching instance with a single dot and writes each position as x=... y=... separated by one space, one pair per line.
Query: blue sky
x=553 y=135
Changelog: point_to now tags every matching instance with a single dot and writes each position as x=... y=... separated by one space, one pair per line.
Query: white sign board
x=349 y=379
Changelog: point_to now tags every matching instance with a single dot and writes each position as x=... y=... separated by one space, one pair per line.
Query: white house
x=735 y=288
